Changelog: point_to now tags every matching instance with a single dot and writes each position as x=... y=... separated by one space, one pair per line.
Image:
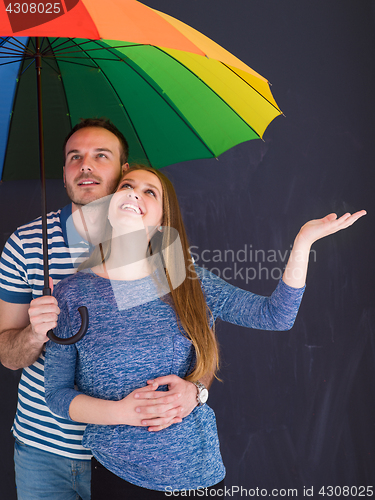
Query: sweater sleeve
x=60 y=364
x=241 y=307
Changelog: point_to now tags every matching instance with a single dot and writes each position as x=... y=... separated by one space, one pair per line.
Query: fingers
x=43 y=314
x=159 y=423
x=353 y=218
x=156 y=428
x=330 y=217
x=50 y=282
x=157 y=408
x=147 y=389
x=348 y=219
x=161 y=396
x=165 y=380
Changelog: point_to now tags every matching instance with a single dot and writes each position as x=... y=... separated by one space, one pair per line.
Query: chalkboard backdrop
x=295 y=410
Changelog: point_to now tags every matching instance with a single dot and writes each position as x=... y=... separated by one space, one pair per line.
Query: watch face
x=203 y=395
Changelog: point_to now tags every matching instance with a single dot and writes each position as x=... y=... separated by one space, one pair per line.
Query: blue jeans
x=41 y=475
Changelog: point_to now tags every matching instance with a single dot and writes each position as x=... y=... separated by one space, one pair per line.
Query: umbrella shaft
x=38 y=65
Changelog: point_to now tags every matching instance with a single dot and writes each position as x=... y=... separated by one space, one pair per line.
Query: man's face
x=92 y=165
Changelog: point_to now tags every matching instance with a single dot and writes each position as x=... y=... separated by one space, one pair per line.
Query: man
x=50 y=461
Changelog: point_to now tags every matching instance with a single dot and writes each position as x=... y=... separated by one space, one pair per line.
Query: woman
x=145 y=323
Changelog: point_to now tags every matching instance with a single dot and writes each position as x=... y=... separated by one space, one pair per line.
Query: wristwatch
x=202 y=393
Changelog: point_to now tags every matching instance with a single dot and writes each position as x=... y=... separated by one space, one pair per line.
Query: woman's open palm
x=319 y=228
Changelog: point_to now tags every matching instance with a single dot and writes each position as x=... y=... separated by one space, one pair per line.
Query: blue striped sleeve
x=14 y=285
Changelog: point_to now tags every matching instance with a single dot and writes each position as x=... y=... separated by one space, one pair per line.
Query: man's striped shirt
x=21 y=280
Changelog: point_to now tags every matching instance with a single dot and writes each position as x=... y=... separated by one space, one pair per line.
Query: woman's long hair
x=192 y=313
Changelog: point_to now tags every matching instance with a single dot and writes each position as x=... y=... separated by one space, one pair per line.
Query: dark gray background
x=295 y=409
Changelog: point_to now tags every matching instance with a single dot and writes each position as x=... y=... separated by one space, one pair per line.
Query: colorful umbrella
x=175 y=94
x=191 y=99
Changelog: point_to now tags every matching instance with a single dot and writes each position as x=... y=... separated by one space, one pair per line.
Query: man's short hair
x=106 y=124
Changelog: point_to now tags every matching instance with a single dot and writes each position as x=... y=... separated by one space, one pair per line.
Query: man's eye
x=102 y=155
x=75 y=157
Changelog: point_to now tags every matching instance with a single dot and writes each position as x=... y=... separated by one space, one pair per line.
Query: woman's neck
x=128 y=259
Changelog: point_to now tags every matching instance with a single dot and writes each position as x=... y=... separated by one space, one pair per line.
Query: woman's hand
x=160 y=408
x=149 y=407
x=184 y=396
x=319 y=228
x=296 y=269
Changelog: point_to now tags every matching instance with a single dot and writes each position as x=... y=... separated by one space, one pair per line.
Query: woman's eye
x=150 y=191
x=125 y=186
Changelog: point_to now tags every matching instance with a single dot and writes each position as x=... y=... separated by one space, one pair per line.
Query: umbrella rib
x=99 y=48
x=20 y=48
x=78 y=57
x=51 y=42
x=7 y=55
x=74 y=44
x=255 y=90
x=50 y=66
x=71 y=62
x=10 y=51
x=41 y=45
x=23 y=71
x=33 y=43
x=52 y=52
x=57 y=48
x=12 y=114
x=54 y=48
x=64 y=91
x=12 y=61
x=17 y=43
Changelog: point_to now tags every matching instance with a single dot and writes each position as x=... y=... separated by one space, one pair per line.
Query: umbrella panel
x=22 y=154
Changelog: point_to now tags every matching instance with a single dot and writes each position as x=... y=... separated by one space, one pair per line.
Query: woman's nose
x=132 y=194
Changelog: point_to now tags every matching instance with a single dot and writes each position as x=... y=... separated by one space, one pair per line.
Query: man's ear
x=125 y=167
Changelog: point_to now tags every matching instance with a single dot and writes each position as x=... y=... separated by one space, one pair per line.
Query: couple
x=173 y=333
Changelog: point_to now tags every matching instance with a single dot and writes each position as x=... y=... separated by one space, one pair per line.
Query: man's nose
x=86 y=165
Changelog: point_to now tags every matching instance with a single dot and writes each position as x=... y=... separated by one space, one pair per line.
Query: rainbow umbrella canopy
x=175 y=94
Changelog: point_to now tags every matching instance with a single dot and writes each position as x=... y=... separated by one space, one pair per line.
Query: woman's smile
x=130 y=207
x=140 y=195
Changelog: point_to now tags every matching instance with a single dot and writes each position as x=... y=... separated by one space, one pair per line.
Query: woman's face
x=137 y=202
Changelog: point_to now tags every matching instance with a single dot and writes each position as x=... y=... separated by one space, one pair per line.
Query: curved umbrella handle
x=79 y=335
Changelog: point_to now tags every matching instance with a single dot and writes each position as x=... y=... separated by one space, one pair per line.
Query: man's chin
x=85 y=198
